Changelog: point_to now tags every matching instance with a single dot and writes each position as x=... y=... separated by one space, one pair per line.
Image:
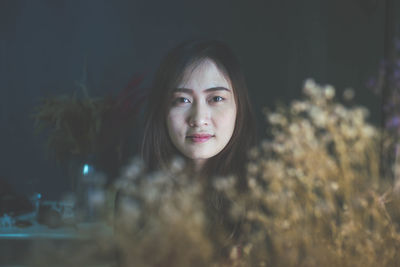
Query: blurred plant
x=83 y=126
x=315 y=194
x=315 y=197
x=73 y=123
x=160 y=219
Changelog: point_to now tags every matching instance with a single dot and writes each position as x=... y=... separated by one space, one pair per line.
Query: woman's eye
x=218 y=99
x=181 y=100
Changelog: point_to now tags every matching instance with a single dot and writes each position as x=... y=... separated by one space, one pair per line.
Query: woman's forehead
x=205 y=71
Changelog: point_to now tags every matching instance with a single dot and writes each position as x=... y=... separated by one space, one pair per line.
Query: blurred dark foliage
x=82 y=128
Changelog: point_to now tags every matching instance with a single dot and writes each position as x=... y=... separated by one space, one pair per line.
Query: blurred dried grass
x=315 y=197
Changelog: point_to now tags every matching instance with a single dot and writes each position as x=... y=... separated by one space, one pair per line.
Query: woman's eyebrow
x=183 y=90
x=212 y=89
x=218 y=88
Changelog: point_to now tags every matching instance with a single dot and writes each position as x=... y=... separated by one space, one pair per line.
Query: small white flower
x=340 y=111
x=133 y=169
x=329 y=92
x=368 y=131
x=224 y=184
x=252 y=168
x=334 y=186
x=252 y=183
x=177 y=164
x=309 y=83
x=299 y=106
x=348 y=94
x=276 y=118
x=311 y=88
x=318 y=116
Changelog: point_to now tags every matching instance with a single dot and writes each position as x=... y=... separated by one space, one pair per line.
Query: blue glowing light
x=39 y=196
x=86 y=169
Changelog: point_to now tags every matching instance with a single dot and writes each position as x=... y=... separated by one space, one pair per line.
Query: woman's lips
x=199 y=138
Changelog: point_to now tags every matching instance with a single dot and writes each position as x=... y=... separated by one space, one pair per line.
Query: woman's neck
x=198 y=164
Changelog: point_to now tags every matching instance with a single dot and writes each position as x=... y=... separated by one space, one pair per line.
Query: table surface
x=38 y=243
x=37 y=231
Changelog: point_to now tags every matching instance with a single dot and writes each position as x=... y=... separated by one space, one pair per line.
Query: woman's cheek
x=227 y=115
x=176 y=121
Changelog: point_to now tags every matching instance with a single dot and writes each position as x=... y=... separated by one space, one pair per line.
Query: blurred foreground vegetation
x=315 y=196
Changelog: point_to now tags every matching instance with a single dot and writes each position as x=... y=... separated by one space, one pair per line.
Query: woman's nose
x=199 y=115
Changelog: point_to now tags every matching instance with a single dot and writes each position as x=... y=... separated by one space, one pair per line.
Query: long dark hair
x=157 y=148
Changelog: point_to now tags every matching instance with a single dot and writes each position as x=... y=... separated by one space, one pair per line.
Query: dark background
x=45 y=44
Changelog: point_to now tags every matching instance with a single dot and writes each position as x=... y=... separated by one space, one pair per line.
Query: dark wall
x=45 y=44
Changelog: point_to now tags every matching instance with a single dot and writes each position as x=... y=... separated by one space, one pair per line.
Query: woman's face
x=202 y=114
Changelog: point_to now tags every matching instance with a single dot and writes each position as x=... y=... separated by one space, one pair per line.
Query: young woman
x=199 y=109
